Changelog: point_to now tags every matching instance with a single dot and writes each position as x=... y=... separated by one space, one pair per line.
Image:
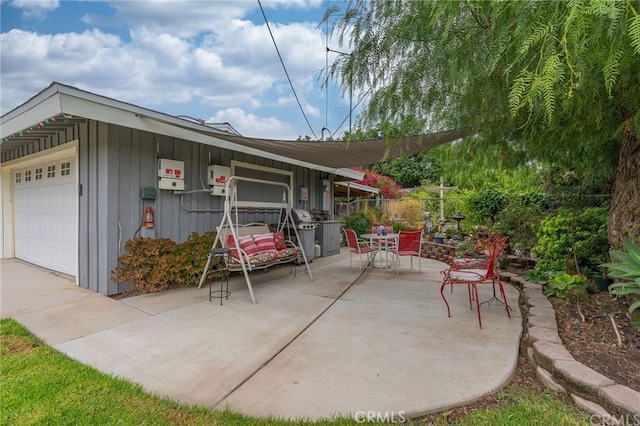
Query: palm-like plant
x=627 y=268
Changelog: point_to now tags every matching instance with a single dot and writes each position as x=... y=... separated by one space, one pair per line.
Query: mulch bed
x=594 y=342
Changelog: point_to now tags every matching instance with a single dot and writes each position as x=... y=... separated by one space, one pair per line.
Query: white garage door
x=45 y=210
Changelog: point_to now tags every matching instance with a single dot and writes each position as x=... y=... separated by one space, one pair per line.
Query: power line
x=326 y=67
x=285 y=70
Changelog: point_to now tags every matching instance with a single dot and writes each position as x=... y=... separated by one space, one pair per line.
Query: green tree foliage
x=472 y=164
x=486 y=203
x=520 y=217
x=559 y=80
x=412 y=170
x=407 y=171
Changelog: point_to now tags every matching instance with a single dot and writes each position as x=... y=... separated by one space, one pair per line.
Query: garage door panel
x=46 y=220
x=67 y=261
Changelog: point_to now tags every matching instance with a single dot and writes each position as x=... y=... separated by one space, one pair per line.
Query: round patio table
x=382 y=243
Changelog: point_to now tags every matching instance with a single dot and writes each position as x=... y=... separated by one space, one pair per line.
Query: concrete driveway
x=343 y=344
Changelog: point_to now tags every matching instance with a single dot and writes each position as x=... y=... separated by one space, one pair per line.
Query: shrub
x=153 y=265
x=563 y=285
x=543 y=271
x=578 y=240
x=387 y=186
x=520 y=217
x=485 y=204
x=409 y=210
x=569 y=286
x=361 y=222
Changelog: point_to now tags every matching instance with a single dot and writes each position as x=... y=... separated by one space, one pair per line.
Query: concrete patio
x=344 y=343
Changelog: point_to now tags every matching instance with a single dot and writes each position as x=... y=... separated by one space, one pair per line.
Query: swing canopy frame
x=240 y=238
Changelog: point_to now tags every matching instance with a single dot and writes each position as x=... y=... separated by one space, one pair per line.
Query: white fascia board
x=30 y=114
x=150 y=121
x=349 y=173
x=359 y=186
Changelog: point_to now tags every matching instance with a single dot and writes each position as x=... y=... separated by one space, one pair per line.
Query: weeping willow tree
x=559 y=80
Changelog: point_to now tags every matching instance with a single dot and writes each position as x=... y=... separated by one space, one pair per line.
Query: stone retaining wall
x=441 y=252
x=606 y=401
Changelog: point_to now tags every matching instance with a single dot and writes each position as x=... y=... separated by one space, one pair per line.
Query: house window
x=27 y=175
x=65 y=169
x=255 y=191
x=18 y=177
x=39 y=173
x=51 y=171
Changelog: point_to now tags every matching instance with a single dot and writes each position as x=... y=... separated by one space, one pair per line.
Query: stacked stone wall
x=442 y=252
x=607 y=401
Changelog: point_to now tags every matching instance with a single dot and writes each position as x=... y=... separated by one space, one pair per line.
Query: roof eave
x=62 y=99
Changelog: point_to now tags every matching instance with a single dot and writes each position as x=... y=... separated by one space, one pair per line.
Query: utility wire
x=285 y=70
x=352 y=109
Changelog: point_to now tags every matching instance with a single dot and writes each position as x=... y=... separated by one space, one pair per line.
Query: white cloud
x=252 y=125
x=179 y=55
x=183 y=18
x=35 y=8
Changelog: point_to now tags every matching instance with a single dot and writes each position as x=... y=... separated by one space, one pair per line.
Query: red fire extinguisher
x=148 y=218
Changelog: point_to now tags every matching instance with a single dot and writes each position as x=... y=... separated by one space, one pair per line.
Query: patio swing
x=242 y=239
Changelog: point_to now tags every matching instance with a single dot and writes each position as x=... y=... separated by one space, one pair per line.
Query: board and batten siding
x=131 y=165
x=116 y=162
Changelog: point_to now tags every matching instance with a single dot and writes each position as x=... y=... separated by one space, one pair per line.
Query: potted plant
x=438 y=238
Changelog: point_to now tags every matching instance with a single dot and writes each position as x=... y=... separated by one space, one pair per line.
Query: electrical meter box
x=304 y=193
x=217 y=177
x=171 y=174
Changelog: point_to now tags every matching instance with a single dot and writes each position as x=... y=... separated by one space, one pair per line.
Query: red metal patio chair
x=358 y=247
x=409 y=244
x=477 y=257
x=471 y=277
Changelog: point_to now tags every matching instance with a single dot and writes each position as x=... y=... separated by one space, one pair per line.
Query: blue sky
x=212 y=60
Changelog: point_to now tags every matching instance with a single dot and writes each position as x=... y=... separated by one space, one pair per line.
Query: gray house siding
x=95 y=199
x=123 y=160
x=115 y=162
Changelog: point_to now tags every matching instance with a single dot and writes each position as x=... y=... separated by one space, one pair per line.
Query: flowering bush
x=388 y=187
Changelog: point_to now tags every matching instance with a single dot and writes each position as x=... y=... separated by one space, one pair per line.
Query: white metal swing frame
x=231 y=206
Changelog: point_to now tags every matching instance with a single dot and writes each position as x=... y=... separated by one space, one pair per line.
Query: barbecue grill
x=302 y=219
x=304 y=227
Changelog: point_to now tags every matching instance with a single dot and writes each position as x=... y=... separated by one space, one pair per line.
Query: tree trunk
x=624 y=210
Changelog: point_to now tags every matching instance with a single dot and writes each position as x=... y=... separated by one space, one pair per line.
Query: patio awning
x=340 y=154
x=352 y=189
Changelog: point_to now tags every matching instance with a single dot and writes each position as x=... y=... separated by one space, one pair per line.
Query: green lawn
x=40 y=385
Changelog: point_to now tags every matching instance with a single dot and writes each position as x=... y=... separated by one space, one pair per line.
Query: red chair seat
x=356 y=248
